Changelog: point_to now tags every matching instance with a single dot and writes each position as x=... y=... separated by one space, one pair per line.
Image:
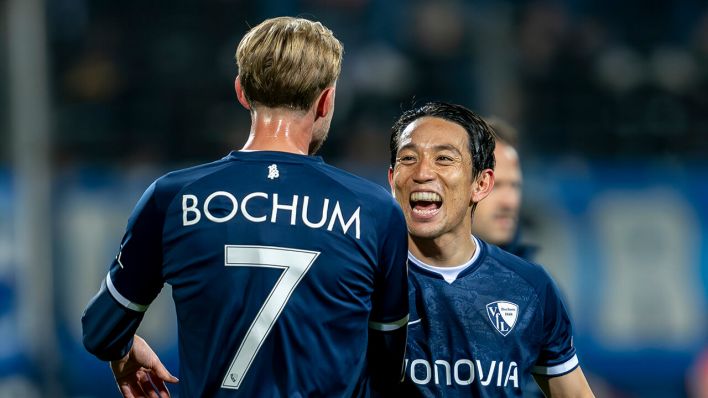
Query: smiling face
x=432 y=179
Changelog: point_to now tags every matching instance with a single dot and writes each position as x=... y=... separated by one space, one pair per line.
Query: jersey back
x=277 y=262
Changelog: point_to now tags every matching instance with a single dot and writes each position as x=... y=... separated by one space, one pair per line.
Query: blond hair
x=287 y=62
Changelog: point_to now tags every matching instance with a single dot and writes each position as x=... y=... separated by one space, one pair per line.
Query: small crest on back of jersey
x=503 y=315
x=273 y=172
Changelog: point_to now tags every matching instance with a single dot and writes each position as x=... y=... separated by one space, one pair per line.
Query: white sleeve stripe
x=556 y=370
x=388 y=326
x=121 y=299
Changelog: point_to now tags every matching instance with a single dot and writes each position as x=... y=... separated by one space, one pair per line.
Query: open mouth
x=425 y=204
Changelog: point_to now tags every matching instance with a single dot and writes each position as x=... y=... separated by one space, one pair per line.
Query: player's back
x=272 y=258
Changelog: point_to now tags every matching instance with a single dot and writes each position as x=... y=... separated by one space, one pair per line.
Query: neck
x=282 y=130
x=448 y=250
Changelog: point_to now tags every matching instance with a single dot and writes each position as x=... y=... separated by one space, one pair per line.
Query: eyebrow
x=437 y=148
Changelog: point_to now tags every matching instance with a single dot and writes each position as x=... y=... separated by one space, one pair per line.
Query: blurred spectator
x=496 y=219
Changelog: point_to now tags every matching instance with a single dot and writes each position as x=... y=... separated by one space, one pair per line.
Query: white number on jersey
x=295 y=263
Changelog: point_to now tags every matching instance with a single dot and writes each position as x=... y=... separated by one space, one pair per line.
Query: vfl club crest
x=503 y=315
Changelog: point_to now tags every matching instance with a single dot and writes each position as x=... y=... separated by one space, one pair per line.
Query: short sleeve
x=135 y=275
x=558 y=355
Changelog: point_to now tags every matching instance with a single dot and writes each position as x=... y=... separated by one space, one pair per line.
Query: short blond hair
x=287 y=62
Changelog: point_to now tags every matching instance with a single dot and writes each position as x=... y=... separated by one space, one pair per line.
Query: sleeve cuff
x=121 y=299
x=557 y=370
x=388 y=326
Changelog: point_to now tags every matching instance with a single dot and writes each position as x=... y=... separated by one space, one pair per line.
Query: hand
x=140 y=374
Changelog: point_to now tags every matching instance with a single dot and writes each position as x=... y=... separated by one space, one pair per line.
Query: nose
x=424 y=171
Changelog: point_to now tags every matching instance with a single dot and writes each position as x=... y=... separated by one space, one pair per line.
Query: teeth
x=425 y=197
x=423 y=212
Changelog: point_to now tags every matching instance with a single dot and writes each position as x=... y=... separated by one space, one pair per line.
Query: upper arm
x=134 y=279
x=390 y=297
x=136 y=273
x=388 y=321
x=557 y=355
x=569 y=385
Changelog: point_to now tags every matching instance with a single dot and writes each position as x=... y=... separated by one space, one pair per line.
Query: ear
x=482 y=186
x=240 y=94
x=325 y=102
x=390 y=181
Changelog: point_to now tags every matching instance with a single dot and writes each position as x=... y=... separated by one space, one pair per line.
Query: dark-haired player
x=482 y=320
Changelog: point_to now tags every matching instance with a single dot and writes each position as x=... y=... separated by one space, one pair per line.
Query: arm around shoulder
x=569 y=385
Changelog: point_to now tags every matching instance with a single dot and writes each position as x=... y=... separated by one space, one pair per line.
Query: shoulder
x=371 y=193
x=534 y=274
x=169 y=185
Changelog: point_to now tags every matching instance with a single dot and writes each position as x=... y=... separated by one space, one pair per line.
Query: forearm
x=108 y=327
x=386 y=355
x=570 y=385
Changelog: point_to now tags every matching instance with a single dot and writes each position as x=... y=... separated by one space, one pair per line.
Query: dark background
x=610 y=98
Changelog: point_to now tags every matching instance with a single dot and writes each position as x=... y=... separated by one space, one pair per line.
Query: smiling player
x=482 y=321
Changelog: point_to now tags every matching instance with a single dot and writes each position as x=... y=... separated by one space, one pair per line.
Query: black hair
x=481 y=136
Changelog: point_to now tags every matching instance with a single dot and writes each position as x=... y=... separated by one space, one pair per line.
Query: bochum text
x=292 y=207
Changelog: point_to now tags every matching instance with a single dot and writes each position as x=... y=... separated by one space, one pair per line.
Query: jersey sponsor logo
x=273 y=172
x=294 y=209
x=462 y=372
x=503 y=315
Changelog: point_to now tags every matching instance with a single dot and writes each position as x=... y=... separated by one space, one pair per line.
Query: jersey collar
x=273 y=156
x=450 y=274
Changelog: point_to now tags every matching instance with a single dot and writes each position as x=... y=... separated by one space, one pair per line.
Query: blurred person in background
x=482 y=321
x=282 y=267
x=496 y=219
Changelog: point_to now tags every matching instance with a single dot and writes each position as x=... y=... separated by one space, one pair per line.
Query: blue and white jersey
x=484 y=331
x=279 y=265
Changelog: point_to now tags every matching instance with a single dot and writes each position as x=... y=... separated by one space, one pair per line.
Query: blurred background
x=98 y=98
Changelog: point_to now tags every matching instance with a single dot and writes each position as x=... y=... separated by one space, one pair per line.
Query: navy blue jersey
x=484 y=333
x=278 y=263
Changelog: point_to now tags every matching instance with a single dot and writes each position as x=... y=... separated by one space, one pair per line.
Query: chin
x=423 y=233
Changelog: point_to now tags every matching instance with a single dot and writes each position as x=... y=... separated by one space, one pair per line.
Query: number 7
x=296 y=263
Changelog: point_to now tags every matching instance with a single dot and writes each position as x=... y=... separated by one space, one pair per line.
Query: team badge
x=273 y=172
x=503 y=315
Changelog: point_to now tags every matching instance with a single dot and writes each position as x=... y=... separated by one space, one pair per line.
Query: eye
x=445 y=159
x=406 y=159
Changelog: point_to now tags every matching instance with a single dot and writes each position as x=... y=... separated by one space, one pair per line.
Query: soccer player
x=482 y=320
x=284 y=270
x=496 y=218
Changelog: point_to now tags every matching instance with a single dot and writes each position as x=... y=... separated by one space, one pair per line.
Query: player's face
x=432 y=178
x=496 y=217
